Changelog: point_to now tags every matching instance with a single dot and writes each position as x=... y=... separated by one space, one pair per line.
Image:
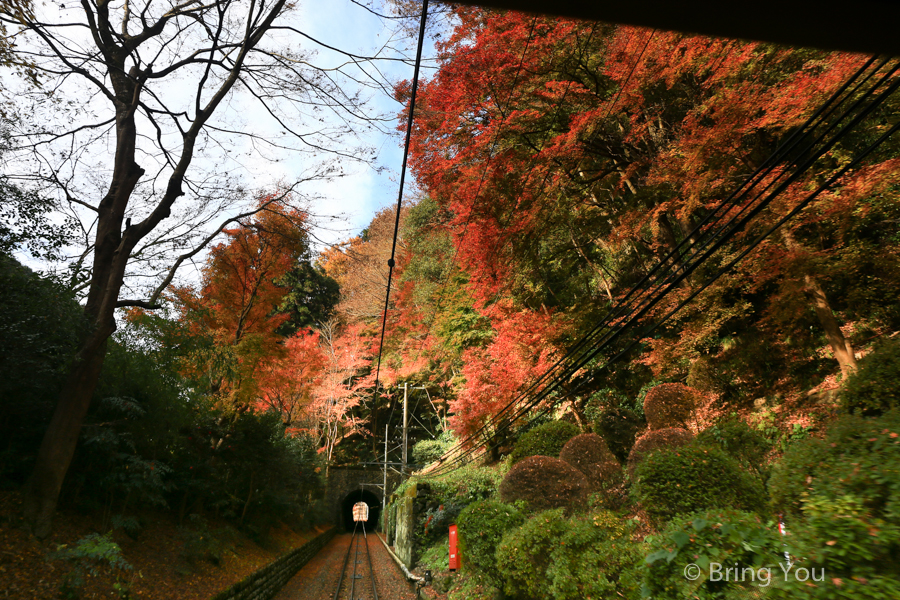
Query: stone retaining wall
x=265 y=583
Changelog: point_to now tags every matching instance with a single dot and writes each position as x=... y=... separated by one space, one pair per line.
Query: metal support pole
x=384 y=515
x=405 y=428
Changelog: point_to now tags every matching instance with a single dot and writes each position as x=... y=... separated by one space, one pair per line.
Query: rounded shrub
x=703 y=543
x=691 y=478
x=427 y=451
x=544 y=483
x=859 y=457
x=845 y=496
x=669 y=405
x=588 y=453
x=544 y=440
x=875 y=387
x=589 y=556
x=703 y=376
x=739 y=440
x=619 y=427
x=653 y=440
x=481 y=525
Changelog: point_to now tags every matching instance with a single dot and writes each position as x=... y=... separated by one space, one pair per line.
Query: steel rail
x=340 y=584
x=371 y=567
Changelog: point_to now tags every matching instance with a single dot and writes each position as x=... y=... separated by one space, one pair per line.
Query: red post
x=454 y=551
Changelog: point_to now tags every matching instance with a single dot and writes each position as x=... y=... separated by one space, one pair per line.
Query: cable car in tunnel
x=351 y=510
x=360 y=512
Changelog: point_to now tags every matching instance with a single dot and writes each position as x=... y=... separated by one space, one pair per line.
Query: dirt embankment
x=168 y=562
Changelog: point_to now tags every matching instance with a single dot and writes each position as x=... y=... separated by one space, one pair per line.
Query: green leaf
x=702 y=562
x=655 y=556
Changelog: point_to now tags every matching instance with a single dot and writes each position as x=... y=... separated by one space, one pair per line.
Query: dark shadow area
x=352 y=498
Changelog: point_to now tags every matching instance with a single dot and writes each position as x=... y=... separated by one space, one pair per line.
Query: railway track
x=356 y=580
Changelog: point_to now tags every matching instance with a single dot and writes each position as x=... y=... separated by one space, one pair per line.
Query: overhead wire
x=477 y=193
x=777 y=157
x=517 y=415
x=409 y=126
x=755 y=242
x=856 y=161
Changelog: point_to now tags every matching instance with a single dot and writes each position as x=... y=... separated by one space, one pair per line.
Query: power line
x=795 y=211
x=409 y=126
x=477 y=193
x=732 y=227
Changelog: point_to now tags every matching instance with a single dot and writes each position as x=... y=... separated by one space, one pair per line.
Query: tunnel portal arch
x=344 y=483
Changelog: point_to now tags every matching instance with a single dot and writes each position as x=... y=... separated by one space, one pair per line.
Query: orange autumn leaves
x=235 y=322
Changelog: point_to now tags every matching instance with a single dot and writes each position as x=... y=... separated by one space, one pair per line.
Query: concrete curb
x=419 y=581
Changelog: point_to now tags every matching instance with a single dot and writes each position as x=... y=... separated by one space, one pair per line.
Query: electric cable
x=477 y=193
x=672 y=253
x=808 y=163
x=409 y=126
x=796 y=210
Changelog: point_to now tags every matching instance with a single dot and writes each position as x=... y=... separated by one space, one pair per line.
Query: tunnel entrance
x=352 y=498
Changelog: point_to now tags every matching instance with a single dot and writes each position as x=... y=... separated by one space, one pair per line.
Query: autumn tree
x=126 y=159
x=568 y=157
x=288 y=380
x=237 y=307
x=337 y=395
x=358 y=265
x=593 y=150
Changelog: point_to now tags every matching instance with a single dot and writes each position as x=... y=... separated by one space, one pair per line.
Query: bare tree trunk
x=840 y=345
x=249 y=496
x=61 y=437
x=580 y=417
x=110 y=259
x=593 y=267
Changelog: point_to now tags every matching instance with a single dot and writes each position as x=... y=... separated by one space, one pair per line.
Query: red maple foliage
x=236 y=306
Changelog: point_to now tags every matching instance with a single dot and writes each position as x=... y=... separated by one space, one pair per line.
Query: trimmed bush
x=846 y=493
x=619 y=427
x=590 y=556
x=704 y=376
x=427 y=451
x=847 y=547
x=669 y=405
x=691 y=478
x=481 y=525
x=544 y=440
x=588 y=453
x=875 y=387
x=739 y=440
x=653 y=440
x=544 y=483
x=721 y=536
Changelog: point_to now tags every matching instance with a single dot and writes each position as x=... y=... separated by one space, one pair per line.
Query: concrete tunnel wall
x=343 y=482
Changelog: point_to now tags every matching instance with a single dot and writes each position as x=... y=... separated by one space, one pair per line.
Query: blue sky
x=358 y=196
x=345 y=205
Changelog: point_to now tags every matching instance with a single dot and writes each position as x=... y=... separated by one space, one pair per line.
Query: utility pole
x=384 y=516
x=405 y=428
